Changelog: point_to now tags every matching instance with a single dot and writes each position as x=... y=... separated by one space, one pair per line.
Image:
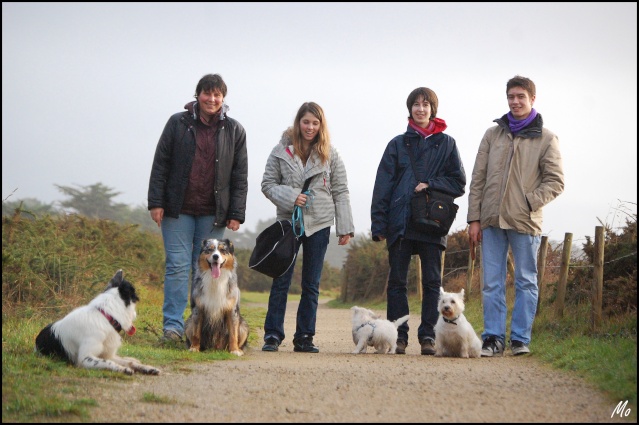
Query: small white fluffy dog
x=370 y=330
x=454 y=335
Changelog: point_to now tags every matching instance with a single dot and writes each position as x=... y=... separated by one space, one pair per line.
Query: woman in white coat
x=305 y=151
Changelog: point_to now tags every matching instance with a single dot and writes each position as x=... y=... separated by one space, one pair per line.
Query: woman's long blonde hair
x=322 y=142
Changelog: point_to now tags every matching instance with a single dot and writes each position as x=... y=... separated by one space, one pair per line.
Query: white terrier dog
x=454 y=335
x=370 y=330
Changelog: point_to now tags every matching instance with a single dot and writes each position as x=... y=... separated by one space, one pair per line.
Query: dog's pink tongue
x=215 y=270
x=131 y=331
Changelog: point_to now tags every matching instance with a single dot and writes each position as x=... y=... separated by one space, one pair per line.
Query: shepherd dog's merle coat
x=215 y=321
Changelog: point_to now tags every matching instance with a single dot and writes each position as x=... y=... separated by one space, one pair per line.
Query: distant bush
x=620 y=271
x=56 y=260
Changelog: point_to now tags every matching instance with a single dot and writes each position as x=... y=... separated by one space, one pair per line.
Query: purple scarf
x=517 y=125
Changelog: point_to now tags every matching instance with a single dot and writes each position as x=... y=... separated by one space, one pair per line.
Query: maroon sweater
x=199 y=198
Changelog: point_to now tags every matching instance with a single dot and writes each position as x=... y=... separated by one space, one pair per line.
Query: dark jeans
x=314 y=248
x=399 y=256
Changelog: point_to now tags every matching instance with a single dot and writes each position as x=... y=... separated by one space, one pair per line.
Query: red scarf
x=435 y=125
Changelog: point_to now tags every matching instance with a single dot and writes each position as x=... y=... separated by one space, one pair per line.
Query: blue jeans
x=314 y=248
x=182 y=238
x=399 y=256
x=524 y=247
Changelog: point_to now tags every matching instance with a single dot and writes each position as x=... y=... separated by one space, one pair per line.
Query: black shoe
x=304 y=344
x=401 y=347
x=271 y=344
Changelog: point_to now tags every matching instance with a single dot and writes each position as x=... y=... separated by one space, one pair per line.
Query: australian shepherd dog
x=215 y=321
x=89 y=336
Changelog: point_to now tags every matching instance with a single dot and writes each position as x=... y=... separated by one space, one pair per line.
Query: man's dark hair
x=428 y=95
x=524 y=83
x=211 y=82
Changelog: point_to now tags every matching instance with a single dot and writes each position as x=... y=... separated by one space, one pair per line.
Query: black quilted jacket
x=172 y=166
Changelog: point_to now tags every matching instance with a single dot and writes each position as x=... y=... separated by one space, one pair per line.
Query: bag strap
x=412 y=160
x=429 y=190
x=307 y=183
x=298 y=213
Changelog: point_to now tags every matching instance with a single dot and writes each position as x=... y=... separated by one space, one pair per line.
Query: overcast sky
x=88 y=87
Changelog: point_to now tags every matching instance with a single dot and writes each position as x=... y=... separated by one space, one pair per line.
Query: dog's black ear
x=116 y=280
x=230 y=246
x=127 y=293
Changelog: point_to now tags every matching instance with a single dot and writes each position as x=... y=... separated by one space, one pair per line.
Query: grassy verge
x=41 y=389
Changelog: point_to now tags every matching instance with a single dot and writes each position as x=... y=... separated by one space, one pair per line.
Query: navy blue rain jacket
x=438 y=163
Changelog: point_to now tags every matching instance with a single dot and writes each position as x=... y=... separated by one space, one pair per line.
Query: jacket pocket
x=398 y=213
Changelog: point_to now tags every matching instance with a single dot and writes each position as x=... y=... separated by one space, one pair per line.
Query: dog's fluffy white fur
x=454 y=335
x=370 y=330
x=89 y=336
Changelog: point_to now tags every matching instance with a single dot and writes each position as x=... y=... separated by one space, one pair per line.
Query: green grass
x=154 y=398
x=606 y=358
x=41 y=389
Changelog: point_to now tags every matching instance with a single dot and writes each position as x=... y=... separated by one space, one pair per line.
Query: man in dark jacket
x=438 y=166
x=197 y=189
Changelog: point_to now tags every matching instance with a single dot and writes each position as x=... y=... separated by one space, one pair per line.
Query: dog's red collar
x=116 y=325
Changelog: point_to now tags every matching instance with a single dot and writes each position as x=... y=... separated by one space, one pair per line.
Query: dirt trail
x=336 y=386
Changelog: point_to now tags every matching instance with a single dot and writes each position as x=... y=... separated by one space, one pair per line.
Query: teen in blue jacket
x=438 y=165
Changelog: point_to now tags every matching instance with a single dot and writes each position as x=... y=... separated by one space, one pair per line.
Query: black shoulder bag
x=432 y=211
x=274 y=251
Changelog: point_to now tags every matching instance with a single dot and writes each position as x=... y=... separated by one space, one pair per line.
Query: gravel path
x=336 y=386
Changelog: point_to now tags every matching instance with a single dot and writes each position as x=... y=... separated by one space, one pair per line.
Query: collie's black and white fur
x=215 y=321
x=89 y=336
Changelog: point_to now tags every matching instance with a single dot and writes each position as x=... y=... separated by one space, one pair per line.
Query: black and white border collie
x=89 y=336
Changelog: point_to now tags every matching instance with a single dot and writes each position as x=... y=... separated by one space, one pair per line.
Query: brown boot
x=401 y=347
x=428 y=347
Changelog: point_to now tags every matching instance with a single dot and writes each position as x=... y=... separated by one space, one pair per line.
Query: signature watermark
x=621 y=410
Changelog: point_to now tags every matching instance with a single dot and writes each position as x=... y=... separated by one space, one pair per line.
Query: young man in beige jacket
x=517 y=171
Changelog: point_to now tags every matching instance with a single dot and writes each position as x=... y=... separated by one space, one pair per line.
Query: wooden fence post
x=344 y=294
x=443 y=262
x=510 y=265
x=541 y=270
x=597 y=281
x=563 y=275
x=469 y=274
